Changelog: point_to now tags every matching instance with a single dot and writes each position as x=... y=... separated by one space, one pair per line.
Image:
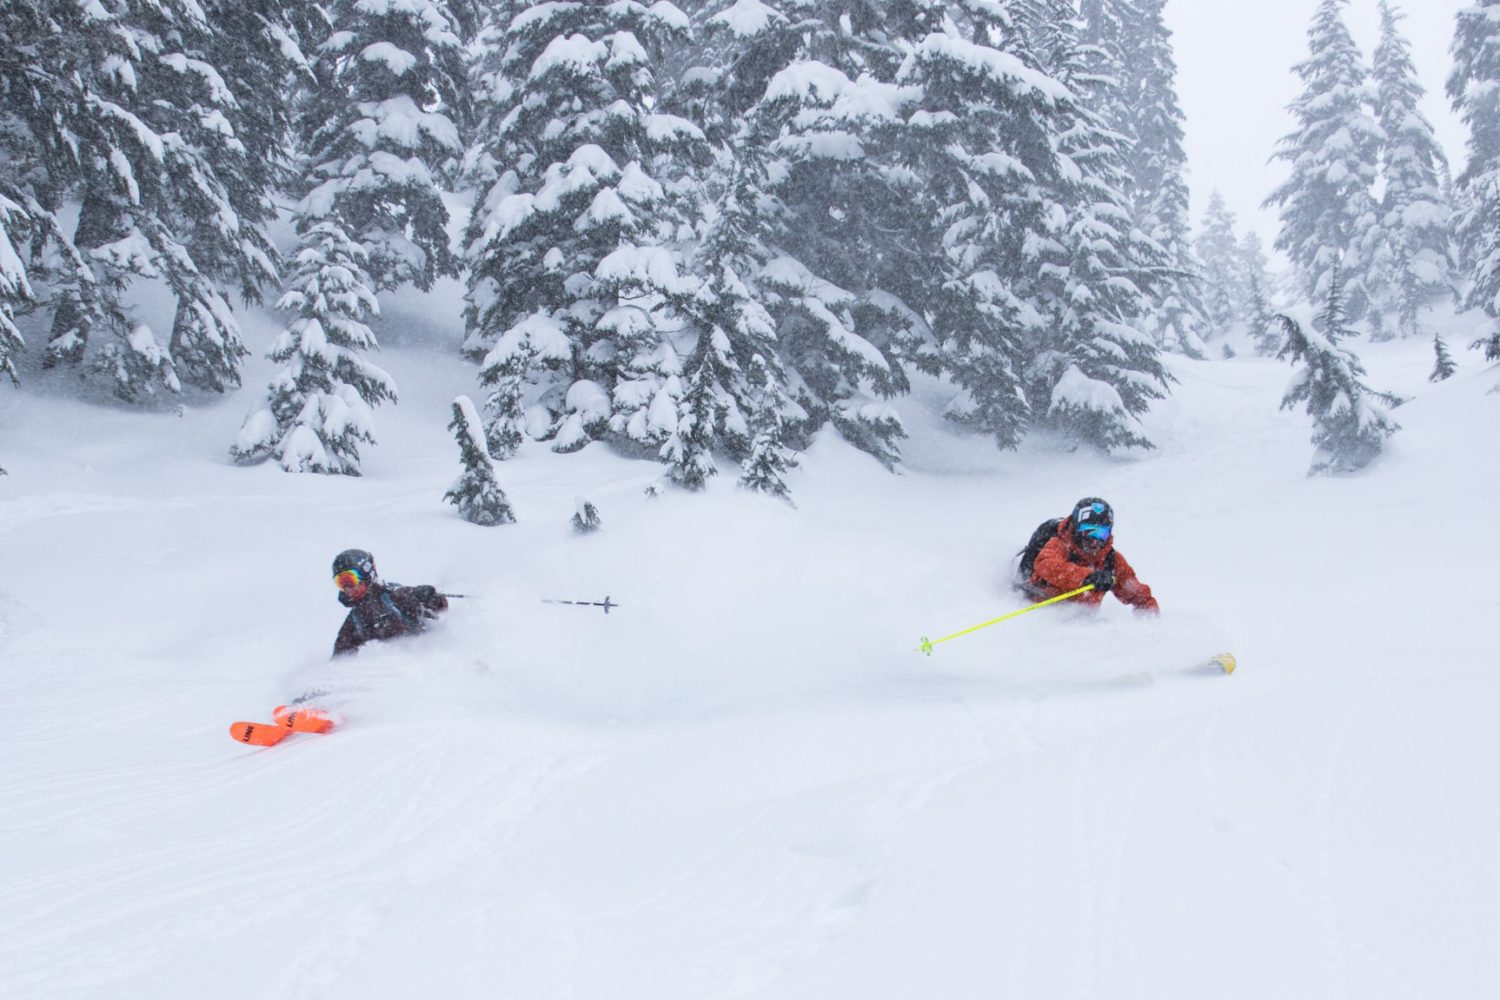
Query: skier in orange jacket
x=1081 y=550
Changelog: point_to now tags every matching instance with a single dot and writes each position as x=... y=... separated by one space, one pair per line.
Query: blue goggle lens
x=1099 y=532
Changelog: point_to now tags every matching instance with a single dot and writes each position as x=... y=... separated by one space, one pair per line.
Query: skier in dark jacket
x=378 y=610
x=1082 y=551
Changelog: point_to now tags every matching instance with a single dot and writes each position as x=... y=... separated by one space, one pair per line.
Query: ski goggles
x=1095 y=532
x=348 y=579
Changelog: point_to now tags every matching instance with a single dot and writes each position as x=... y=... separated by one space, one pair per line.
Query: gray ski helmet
x=356 y=559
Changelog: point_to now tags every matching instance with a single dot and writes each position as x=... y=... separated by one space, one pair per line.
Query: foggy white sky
x=1235 y=80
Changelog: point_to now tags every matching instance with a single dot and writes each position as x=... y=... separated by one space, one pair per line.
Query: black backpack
x=1039 y=538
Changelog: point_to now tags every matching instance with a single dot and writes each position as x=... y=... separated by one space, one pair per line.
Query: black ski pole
x=606 y=604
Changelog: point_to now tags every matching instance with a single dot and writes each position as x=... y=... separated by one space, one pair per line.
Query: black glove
x=425 y=593
x=1102 y=580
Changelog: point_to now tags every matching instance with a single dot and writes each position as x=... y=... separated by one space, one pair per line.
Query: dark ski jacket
x=386 y=612
x=1061 y=566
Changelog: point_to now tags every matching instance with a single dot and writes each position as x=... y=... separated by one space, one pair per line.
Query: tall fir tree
x=124 y=110
x=688 y=450
x=1474 y=88
x=981 y=173
x=1092 y=367
x=1219 y=250
x=15 y=289
x=574 y=246
x=476 y=492
x=1350 y=421
x=239 y=73
x=1329 y=216
x=1259 y=313
x=841 y=209
x=381 y=127
x=722 y=75
x=1156 y=171
x=1414 y=261
x=319 y=407
x=769 y=460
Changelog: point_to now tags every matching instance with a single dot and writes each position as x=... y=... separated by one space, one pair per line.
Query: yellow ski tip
x=1226 y=661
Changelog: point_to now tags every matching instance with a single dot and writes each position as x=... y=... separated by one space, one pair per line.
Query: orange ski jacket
x=1062 y=565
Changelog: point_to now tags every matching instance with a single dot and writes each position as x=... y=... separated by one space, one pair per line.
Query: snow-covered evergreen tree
x=1329 y=216
x=15 y=290
x=982 y=175
x=1474 y=88
x=1414 y=262
x=319 y=406
x=137 y=114
x=1443 y=366
x=1259 y=313
x=238 y=75
x=1350 y=421
x=1091 y=368
x=476 y=492
x=769 y=460
x=1225 y=284
x=843 y=213
x=688 y=450
x=380 y=128
x=585 y=519
x=1156 y=171
x=574 y=245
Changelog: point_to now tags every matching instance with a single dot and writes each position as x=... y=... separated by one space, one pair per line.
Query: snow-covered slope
x=745 y=782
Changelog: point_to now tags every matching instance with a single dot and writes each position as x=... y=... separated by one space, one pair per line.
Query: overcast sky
x=1235 y=79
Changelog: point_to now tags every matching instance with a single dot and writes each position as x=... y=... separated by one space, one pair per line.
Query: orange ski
x=259 y=734
x=302 y=720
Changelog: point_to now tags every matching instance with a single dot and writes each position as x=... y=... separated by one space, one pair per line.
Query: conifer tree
x=585 y=517
x=1350 y=422
x=834 y=286
x=573 y=247
x=380 y=128
x=476 y=492
x=1443 y=366
x=318 y=407
x=1258 y=313
x=981 y=143
x=769 y=460
x=138 y=114
x=1128 y=51
x=1156 y=172
x=688 y=450
x=1092 y=367
x=1413 y=263
x=1474 y=88
x=1328 y=215
x=1219 y=249
x=15 y=290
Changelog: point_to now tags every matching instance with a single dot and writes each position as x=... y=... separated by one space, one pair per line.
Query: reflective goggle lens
x=348 y=579
x=1099 y=532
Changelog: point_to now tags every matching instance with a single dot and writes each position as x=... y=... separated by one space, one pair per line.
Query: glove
x=425 y=593
x=1103 y=580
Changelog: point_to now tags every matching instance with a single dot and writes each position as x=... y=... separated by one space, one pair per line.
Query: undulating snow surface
x=745 y=781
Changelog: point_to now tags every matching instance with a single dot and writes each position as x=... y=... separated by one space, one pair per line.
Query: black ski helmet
x=1093 y=521
x=356 y=559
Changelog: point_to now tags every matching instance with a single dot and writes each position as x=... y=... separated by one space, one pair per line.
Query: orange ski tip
x=259 y=734
x=303 y=720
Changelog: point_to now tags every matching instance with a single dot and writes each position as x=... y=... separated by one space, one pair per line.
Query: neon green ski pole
x=927 y=644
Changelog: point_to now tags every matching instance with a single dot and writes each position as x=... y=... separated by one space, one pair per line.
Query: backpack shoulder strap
x=1039 y=539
